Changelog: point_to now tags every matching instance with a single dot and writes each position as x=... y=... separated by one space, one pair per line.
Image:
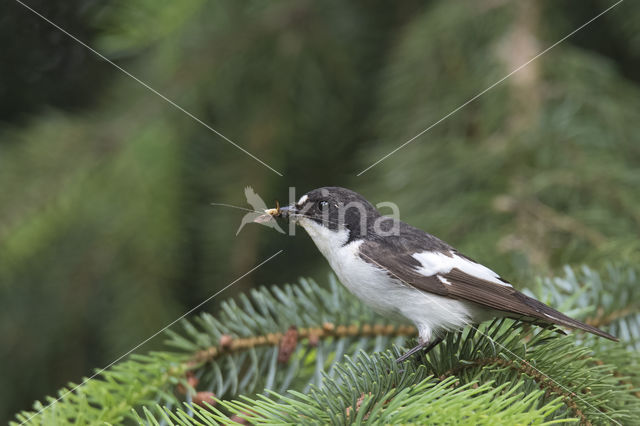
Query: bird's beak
x=287 y=210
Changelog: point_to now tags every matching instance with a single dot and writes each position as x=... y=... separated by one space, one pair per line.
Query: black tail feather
x=550 y=315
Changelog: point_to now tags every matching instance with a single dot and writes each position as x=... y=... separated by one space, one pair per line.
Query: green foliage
x=336 y=369
x=154 y=377
x=543 y=168
x=610 y=298
x=427 y=401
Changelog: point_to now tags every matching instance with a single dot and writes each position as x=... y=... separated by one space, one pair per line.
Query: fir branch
x=602 y=319
x=282 y=355
x=524 y=368
x=237 y=352
x=228 y=345
x=614 y=292
x=390 y=394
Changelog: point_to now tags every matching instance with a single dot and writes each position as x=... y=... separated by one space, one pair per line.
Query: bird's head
x=331 y=215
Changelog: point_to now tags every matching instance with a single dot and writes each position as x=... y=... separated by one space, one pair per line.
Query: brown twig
x=230 y=345
x=601 y=320
x=288 y=344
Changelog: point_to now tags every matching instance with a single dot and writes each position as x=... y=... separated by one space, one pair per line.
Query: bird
x=405 y=273
x=258 y=204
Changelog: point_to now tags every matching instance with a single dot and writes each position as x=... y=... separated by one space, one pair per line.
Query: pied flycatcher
x=402 y=271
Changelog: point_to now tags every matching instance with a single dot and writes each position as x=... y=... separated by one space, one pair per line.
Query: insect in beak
x=280 y=211
x=274 y=212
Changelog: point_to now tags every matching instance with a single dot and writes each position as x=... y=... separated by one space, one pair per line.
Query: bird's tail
x=550 y=315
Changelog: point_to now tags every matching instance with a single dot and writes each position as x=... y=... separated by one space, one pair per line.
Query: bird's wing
x=448 y=273
x=443 y=272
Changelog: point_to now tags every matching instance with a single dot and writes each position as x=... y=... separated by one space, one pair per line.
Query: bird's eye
x=322 y=205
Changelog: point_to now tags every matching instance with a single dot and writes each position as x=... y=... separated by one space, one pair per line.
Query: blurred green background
x=106 y=228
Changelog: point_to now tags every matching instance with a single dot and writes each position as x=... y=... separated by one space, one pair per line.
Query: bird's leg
x=426 y=345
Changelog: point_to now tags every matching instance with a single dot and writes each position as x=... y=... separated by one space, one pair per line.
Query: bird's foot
x=426 y=345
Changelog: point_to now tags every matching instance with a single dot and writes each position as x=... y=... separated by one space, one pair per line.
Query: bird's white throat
x=328 y=241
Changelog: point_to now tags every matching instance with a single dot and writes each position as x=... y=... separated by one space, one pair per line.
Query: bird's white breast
x=385 y=294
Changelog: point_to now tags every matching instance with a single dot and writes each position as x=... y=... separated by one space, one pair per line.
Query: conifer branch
x=524 y=368
x=281 y=355
x=229 y=345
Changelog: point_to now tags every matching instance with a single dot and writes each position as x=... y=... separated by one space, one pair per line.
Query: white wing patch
x=302 y=200
x=433 y=263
